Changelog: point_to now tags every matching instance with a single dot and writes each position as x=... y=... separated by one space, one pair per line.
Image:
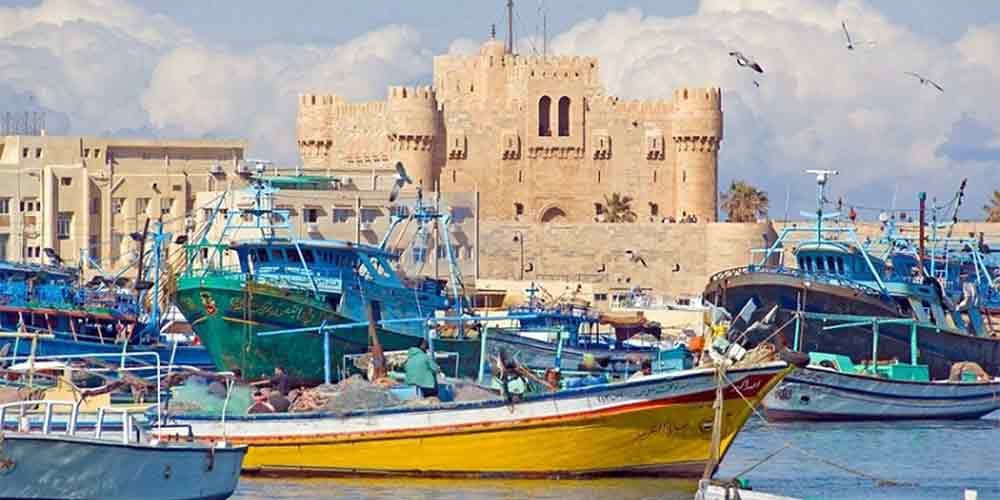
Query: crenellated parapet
x=697 y=113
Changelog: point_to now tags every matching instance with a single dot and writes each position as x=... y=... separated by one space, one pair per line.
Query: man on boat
x=421 y=370
x=645 y=369
x=260 y=404
x=280 y=381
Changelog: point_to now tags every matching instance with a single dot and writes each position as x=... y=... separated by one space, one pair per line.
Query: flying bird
x=924 y=80
x=746 y=62
x=851 y=44
x=401 y=180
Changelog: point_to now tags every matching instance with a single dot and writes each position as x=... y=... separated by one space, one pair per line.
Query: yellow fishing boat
x=660 y=425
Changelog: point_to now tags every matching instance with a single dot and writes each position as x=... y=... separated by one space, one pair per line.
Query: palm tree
x=618 y=208
x=744 y=203
x=993 y=209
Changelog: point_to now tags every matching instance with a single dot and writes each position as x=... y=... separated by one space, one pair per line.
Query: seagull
x=924 y=80
x=401 y=180
x=746 y=62
x=635 y=257
x=851 y=44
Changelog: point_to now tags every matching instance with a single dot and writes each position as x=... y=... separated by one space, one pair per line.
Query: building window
x=310 y=215
x=520 y=176
x=34 y=252
x=166 y=205
x=654 y=210
x=117 y=204
x=176 y=187
x=141 y=206
x=600 y=297
x=97 y=153
x=518 y=209
x=66 y=181
x=86 y=152
x=4 y=206
x=30 y=205
x=38 y=152
x=342 y=215
x=24 y=152
x=95 y=205
x=368 y=215
x=563 y=116
x=63 y=225
x=544 y=108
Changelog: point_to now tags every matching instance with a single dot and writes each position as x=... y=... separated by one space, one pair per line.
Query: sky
x=226 y=69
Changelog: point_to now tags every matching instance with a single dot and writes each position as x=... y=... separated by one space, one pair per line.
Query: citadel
x=535 y=136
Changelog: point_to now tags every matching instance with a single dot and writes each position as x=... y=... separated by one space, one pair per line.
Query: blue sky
x=207 y=68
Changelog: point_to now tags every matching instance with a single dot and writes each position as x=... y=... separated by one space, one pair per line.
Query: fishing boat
x=660 y=425
x=280 y=284
x=833 y=387
x=839 y=390
x=74 y=444
x=123 y=465
x=76 y=317
x=838 y=277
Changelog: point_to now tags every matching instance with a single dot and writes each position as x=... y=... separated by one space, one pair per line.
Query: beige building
x=83 y=196
x=536 y=137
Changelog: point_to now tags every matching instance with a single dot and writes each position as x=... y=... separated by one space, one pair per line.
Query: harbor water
x=927 y=459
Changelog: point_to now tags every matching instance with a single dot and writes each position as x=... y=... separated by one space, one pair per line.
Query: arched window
x=544 y=107
x=563 y=116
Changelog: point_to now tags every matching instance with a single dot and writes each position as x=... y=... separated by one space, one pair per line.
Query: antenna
x=510 y=26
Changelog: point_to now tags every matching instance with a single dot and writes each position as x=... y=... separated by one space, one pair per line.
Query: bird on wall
x=746 y=61
x=924 y=80
x=635 y=257
x=851 y=43
x=401 y=179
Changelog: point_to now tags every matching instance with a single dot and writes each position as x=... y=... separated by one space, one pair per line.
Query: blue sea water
x=934 y=460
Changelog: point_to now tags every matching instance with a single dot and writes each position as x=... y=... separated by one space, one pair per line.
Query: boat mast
x=510 y=26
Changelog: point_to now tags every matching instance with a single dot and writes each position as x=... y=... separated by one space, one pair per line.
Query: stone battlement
x=686 y=98
x=415 y=93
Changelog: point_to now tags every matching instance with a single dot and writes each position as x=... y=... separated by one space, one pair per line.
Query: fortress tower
x=412 y=127
x=696 y=134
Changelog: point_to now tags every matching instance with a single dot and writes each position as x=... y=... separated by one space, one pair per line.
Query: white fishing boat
x=43 y=463
x=716 y=490
x=845 y=392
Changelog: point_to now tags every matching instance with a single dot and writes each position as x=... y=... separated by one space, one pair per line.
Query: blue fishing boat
x=100 y=316
x=837 y=275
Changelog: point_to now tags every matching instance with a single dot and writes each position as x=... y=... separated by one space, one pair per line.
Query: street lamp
x=519 y=238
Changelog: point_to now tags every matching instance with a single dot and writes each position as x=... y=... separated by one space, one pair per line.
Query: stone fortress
x=536 y=137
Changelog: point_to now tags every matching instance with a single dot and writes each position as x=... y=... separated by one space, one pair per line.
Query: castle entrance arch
x=553 y=214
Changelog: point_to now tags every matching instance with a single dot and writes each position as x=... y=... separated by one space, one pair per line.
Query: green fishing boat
x=232 y=293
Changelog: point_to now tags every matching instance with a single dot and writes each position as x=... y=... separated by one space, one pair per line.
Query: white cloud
x=819 y=105
x=106 y=67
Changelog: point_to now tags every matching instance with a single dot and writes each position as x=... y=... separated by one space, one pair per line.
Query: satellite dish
x=401 y=179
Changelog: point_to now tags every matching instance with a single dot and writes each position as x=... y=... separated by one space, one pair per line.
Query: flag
x=747 y=311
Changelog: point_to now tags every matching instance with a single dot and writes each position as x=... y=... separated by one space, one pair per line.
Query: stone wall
x=668 y=258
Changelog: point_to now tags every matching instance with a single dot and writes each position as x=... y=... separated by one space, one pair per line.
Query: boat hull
x=818 y=394
x=217 y=309
x=63 y=344
x=787 y=290
x=658 y=425
x=60 y=467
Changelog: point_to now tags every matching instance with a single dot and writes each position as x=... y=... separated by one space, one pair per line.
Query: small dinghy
x=39 y=462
